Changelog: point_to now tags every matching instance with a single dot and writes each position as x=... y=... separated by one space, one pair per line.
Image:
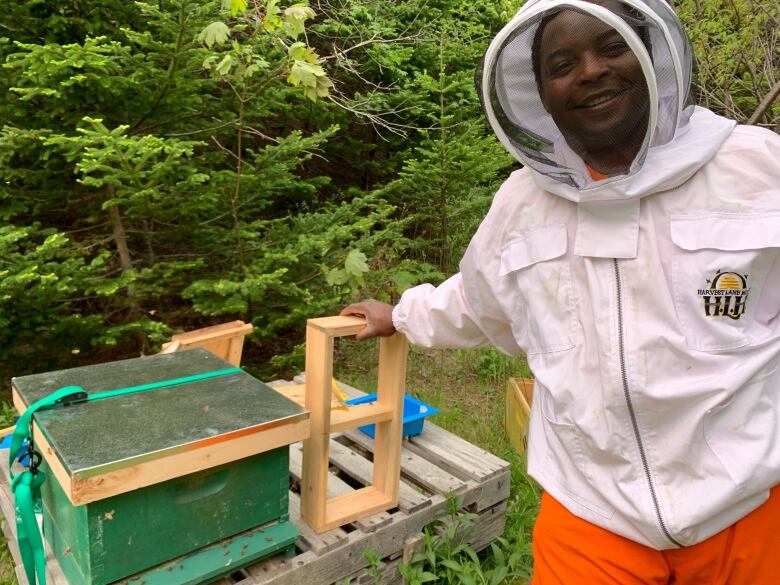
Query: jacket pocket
x=720 y=265
x=568 y=465
x=545 y=320
x=741 y=432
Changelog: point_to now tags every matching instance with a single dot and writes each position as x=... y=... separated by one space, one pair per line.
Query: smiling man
x=593 y=86
x=635 y=260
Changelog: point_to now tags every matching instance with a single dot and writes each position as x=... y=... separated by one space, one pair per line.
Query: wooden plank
x=387 y=572
x=295 y=392
x=457 y=456
x=360 y=468
x=225 y=340
x=319 y=543
x=391 y=384
x=416 y=467
x=488 y=526
x=338 y=326
x=355 y=505
x=491 y=491
x=336 y=564
x=362 y=414
x=342 y=417
x=213 y=332
x=314 y=480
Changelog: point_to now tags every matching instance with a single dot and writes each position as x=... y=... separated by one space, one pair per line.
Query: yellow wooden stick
x=340 y=394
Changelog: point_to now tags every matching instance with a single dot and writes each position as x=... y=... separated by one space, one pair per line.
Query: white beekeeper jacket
x=648 y=306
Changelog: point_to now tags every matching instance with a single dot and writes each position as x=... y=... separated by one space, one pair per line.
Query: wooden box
x=517 y=414
x=137 y=480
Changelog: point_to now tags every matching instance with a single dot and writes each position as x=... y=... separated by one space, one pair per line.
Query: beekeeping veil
x=678 y=137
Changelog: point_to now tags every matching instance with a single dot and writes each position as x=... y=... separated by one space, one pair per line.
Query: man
x=635 y=261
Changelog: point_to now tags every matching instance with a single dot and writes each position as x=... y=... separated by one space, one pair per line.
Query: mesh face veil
x=570 y=84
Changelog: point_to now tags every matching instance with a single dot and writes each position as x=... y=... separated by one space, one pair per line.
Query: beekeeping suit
x=646 y=302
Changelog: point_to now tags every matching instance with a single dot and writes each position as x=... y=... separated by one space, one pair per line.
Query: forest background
x=173 y=164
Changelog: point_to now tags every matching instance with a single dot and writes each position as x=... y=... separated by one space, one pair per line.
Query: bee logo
x=726 y=295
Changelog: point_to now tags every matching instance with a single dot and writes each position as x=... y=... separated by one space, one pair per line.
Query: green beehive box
x=135 y=481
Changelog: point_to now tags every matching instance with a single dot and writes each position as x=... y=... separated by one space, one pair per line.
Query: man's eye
x=560 y=68
x=615 y=49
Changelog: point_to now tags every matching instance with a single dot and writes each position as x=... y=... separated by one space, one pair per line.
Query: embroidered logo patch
x=726 y=295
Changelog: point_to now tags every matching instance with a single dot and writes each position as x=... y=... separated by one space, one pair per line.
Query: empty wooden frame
x=225 y=340
x=317 y=509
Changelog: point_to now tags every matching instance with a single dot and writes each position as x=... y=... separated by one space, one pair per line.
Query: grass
x=467 y=386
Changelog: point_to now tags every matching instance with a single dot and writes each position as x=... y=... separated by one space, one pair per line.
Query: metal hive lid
x=105 y=435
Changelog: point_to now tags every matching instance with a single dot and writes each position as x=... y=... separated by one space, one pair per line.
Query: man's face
x=592 y=83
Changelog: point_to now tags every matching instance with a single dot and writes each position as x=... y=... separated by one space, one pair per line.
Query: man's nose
x=591 y=68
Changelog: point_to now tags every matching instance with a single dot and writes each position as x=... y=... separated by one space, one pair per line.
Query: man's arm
x=429 y=316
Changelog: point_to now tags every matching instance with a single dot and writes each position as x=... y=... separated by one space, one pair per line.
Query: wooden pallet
x=433 y=464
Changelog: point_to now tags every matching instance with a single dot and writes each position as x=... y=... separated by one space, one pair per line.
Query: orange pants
x=570 y=551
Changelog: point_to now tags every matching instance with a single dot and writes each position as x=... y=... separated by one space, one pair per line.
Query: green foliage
x=144 y=194
x=448 y=558
x=737 y=53
x=40 y=270
x=8 y=414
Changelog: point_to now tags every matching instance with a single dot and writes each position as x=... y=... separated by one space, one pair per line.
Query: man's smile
x=599 y=99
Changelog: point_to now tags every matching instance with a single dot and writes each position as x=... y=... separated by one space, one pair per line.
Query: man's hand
x=379 y=318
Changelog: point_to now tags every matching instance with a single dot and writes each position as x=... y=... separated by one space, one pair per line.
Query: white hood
x=680 y=138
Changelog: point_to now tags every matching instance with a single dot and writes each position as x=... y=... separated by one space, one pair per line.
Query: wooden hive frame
x=225 y=340
x=317 y=510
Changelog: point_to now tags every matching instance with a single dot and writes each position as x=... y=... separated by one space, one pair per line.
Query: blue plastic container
x=415 y=412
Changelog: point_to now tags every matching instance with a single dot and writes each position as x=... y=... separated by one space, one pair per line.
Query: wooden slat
x=359 y=415
x=457 y=456
x=335 y=565
x=342 y=417
x=314 y=480
x=388 y=572
x=488 y=526
x=225 y=340
x=338 y=326
x=416 y=468
x=355 y=505
x=319 y=543
x=360 y=468
x=295 y=392
x=391 y=384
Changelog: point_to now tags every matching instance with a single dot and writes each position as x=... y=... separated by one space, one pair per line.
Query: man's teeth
x=598 y=100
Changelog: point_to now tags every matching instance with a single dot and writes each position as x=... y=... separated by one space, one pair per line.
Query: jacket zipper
x=632 y=413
